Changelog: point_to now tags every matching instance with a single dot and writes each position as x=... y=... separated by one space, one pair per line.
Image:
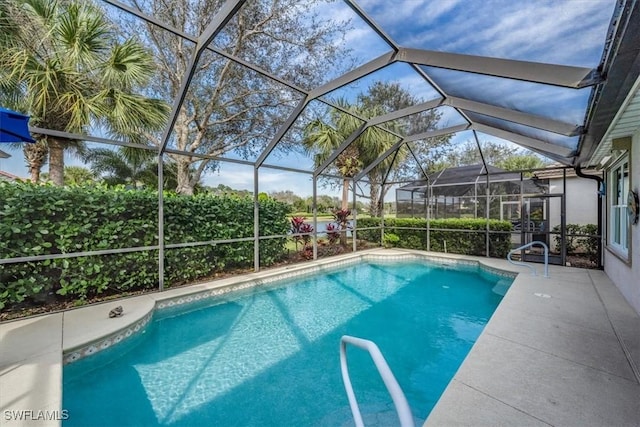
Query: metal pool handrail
x=533 y=269
x=399 y=400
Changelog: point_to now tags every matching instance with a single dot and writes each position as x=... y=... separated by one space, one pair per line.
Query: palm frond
x=110 y=163
x=128 y=66
x=126 y=112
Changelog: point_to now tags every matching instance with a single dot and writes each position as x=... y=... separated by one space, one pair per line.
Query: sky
x=568 y=32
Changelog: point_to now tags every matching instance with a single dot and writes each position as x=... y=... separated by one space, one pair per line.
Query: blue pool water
x=270 y=356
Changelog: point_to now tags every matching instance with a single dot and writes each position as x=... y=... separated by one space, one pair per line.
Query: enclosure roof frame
x=620 y=65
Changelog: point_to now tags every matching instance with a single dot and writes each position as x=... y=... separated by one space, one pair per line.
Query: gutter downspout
x=599 y=180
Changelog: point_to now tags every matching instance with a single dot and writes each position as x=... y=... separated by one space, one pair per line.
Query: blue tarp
x=14 y=127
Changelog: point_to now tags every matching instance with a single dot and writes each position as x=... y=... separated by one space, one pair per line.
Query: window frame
x=618 y=224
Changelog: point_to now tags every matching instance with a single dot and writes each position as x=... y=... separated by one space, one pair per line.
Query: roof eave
x=621 y=76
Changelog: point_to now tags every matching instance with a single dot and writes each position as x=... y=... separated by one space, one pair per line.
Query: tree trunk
x=374 y=205
x=383 y=194
x=345 y=194
x=344 y=207
x=35 y=174
x=56 y=161
x=184 y=182
x=35 y=155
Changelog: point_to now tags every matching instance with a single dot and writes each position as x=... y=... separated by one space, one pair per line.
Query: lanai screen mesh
x=461 y=192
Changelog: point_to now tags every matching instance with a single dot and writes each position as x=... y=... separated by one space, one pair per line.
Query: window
x=618 y=218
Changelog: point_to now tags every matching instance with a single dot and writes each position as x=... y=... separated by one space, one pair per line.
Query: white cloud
x=435 y=10
x=566 y=32
x=418 y=86
x=543 y=31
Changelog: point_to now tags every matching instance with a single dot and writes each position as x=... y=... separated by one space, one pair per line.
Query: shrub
x=572 y=241
x=391 y=240
x=341 y=218
x=580 y=238
x=42 y=219
x=299 y=226
x=592 y=242
x=412 y=234
x=333 y=233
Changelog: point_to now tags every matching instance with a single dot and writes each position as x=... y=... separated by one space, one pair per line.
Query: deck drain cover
x=538 y=294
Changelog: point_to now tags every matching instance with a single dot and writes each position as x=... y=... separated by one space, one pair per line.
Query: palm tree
x=36 y=157
x=321 y=139
x=75 y=175
x=132 y=167
x=123 y=166
x=67 y=62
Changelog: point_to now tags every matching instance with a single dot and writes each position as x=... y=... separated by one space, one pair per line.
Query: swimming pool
x=269 y=356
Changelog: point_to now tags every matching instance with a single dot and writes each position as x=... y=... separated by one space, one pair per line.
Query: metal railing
x=533 y=269
x=399 y=400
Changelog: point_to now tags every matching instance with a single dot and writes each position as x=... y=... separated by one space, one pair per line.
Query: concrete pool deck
x=562 y=351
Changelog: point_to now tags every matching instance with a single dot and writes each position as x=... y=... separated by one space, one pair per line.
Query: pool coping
x=31 y=369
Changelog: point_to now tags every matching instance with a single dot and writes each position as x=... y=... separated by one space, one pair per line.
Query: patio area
x=560 y=351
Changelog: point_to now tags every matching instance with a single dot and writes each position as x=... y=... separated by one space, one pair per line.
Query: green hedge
x=459 y=242
x=43 y=219
x=580 y=239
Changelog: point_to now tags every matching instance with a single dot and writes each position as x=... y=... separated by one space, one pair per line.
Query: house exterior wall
x=581 y=204
x=581 y=201
x=626 y=273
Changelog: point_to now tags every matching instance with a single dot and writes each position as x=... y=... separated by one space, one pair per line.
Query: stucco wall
x=625 y=276
x=581 y=201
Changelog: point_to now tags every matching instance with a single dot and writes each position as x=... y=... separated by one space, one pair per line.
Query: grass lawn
x=309 y=216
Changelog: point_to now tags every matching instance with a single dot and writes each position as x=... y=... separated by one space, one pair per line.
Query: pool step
x=502 y=286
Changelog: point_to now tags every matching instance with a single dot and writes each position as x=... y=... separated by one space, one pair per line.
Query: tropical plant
x=333 y=233
x=298 y=227
x=323 y=138
x=75 y=175
x=132 y=167
x=35 y=156
x=387 y=97
x=124 y=165
x=341 y=217
x=71 y=69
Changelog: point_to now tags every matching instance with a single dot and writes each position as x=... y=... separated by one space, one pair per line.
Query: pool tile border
x=110 y=340
x=138 y=327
